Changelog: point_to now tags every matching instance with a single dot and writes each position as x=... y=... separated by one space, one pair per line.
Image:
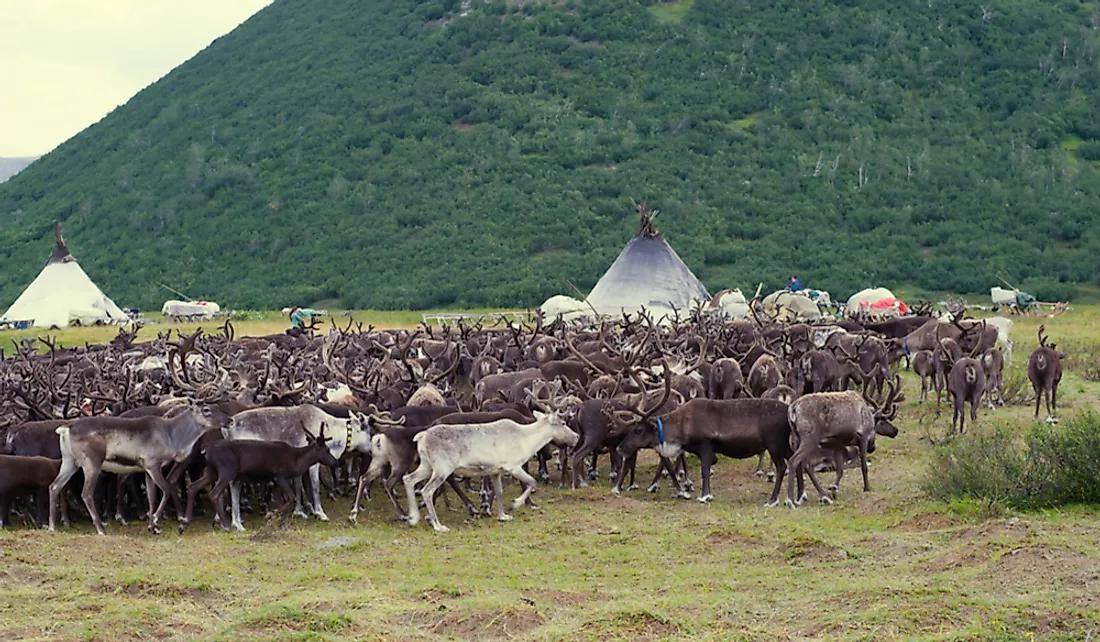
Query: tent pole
x=174 y=291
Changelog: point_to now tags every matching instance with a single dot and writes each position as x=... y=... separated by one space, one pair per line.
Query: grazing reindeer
x=993 y=363
x=1044 y=369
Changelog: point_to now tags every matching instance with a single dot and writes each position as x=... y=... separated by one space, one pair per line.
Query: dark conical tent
x=647 y=272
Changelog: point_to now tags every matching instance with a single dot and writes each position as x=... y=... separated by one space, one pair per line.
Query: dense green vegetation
x=399 y=154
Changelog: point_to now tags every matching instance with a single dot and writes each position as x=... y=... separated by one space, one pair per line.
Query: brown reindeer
x=1044 y=369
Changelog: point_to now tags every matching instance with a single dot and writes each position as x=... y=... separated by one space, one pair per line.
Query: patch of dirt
x=925 y=522
x=493 y=624
x=562 y=598
x=965 y=556
x=811 y=549
x=1021 y=566
x=437 y=595
x=1014 y=528
x=639 y=626
x=142 y=588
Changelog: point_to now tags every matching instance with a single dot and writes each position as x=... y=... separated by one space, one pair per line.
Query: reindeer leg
x=91 y=477
x=666 y=463
x=706 y=453
x=57 y=489
x=422 y=473
x=498 y=488
x=315 y=479
x=628 y=465
x=462 y=496
x=428 y=493
x=838 y=463
x=235 y=499
x=780 y=471
x=863 y=463
x=529 y=487
x=681 y=463
x=377 y=465
x=208 y=476
x=579 y=456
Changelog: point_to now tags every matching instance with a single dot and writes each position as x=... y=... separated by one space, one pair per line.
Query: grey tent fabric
x=647 y=272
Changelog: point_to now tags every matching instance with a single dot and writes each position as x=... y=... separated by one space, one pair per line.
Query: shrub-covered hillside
x=457 y=152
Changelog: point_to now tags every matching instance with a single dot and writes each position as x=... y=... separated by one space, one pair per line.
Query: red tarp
x=889 y=303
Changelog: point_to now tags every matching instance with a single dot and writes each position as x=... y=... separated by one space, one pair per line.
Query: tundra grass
x=890 y=564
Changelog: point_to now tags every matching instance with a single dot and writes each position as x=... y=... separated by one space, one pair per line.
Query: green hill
x=399 y=154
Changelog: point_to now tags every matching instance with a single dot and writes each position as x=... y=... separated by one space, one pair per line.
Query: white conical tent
x=61 y=295
x=647 y=272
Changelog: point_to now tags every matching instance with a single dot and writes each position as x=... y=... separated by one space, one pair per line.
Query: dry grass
x=890 y=564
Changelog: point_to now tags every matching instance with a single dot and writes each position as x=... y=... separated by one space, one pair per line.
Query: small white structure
x=869 y=296
x=568 y=307
x=192 y=310
x=730 y=304
x=63 y=295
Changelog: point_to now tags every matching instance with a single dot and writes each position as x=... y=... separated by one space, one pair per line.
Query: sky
x=64 y=64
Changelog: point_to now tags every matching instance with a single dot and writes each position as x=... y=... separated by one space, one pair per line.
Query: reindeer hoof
x=770 y=477
x=771 y=504
x=683 y=494
x=825 y=499
x=632 y=487
x=154 y=529
x=705 y=499
x=353 y=518
x=301 y=513
x=652 y=488
x=505 y=518
x=801 y=498
x=593 y=475
x=789 y=504
x=321 y=516
x=615 y=491
x=688 y=485
x=121 y=520
x=440 y=528
x=758 y=472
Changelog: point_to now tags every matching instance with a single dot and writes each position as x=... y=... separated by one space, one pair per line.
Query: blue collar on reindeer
x=660 y=431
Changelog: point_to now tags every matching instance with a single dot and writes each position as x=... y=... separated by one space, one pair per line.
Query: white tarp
x=869 y=296
x=1002 y=296
x=568 y=307
x=193 y=309
x=791 y=306
x=61 y=295
x=731 y=304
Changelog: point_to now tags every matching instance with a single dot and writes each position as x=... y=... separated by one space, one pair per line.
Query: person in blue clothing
x=796 y=284
x=298 y=318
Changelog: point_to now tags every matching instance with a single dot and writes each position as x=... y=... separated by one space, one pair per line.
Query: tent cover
x=791 y=306
x=869 y=295
x=647 y=272
x=62 y=294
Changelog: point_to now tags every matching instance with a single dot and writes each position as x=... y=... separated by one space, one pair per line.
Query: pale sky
x=65 y=63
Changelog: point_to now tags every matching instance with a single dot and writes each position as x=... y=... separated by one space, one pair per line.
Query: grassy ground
x=891 y=564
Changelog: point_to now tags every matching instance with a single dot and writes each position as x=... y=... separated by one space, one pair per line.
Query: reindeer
x=1044 y=370
x=834 y=421
x=993 y=363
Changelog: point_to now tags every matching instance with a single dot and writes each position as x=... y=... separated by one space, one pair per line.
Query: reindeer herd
x=278 y=420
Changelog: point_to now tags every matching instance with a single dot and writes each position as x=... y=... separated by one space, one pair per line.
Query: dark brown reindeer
x=737 y=428
x=229 y=460
x=993 y=363
x=965 y=382
x=924 y=366
x=1044 y=369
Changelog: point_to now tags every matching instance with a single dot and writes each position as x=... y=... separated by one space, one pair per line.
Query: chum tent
x=864 y=298
x=63 y=295
x=649 y=273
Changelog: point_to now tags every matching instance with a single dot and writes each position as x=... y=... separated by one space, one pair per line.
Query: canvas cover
x=1002 y=296
x=61 y=295
x=196 y=309
x=731 y=304
x=869 y=295
x=567 y=307
x=791 y=306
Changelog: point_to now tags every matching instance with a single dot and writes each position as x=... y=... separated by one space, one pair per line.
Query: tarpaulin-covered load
x=889 y=303
x=1002 y=296
x=788 y=306
x=864 y=298
x=199 y=310
x=731 y=304
x=568 y=307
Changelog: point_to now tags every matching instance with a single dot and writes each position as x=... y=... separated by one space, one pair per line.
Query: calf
x=293 y=426
x=738 y=428
x=993 y=363
x=479 y=450
x=1044 y=370
x=726 y=380
x=833 y=421
x=20 y=475
x=116 y=445
x=925 y=367
x=229 y=460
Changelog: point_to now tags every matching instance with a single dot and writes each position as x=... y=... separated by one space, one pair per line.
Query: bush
x=1047 y=466
x=1082 y=358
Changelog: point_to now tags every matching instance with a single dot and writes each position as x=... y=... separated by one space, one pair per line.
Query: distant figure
x=298 y=317
x=796 y=284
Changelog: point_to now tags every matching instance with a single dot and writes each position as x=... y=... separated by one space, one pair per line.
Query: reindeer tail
x=66 y=443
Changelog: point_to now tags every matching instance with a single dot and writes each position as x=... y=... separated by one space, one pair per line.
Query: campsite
x=918 y=557
x=550 y=320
